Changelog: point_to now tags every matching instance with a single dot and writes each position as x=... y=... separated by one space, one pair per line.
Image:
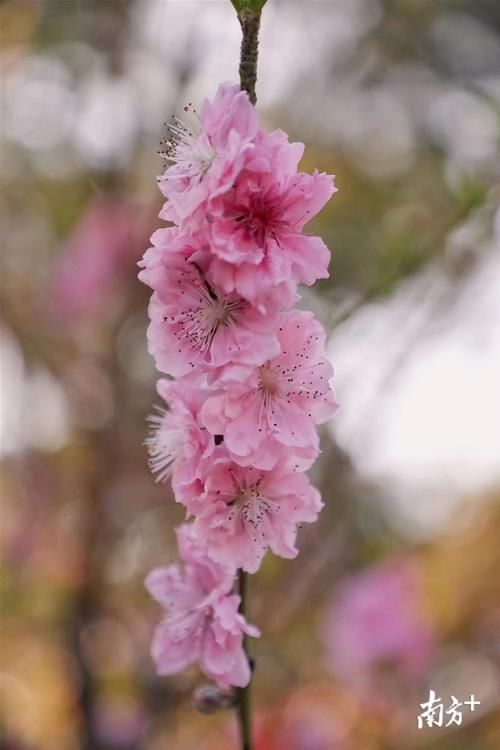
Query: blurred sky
x=423 y=369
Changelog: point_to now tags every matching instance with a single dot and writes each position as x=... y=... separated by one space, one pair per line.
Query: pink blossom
x=279 y=402
x=245 y=511
x=179 y=447
x=256 y=228
x=312 y=718
x=206 y=154
x=195 y=325
x=202 y=623
x=96 y=257
x=377 y=617
x=253 y=378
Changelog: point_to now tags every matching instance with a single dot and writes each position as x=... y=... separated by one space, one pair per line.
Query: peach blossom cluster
x=248 y=379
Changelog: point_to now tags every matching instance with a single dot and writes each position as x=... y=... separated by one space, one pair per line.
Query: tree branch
x=250 y=23
x=243 y=705
x=249 y=17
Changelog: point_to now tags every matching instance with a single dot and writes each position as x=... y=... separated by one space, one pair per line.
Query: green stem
x=243 y=705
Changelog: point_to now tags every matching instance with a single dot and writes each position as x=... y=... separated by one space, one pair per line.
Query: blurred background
x=397 y=589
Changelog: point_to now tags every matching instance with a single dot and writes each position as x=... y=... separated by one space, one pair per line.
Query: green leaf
x=254 y=5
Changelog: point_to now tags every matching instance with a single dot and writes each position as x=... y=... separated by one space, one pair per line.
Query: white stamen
x=163 y=445
x=187 y=147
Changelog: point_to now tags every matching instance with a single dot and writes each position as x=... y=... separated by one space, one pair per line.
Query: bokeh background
x=397 y=589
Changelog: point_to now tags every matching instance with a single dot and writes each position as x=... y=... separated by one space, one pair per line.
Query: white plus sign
x=472 y=703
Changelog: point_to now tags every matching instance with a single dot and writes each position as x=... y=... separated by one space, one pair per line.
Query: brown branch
x=243 y=705
x=250 y=23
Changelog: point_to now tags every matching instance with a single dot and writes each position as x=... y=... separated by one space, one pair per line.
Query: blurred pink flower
x=280 y=401
x=377 y=618
x=243 y=512
x=99 y=253
x=299 y=734
x=120 y=722
x=316 y=717
x=202 y=623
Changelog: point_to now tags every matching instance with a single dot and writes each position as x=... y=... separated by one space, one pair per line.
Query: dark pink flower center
x=259 y=219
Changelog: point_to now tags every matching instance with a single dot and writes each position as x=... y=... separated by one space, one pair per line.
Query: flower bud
x=208 y=699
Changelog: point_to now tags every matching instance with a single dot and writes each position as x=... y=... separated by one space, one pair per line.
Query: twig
x=250 y=23
x=243 y=705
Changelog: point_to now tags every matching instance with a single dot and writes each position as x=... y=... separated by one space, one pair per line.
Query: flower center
x=269 y=380
x=197 y=326
x=259 y=219
x=249 y=505
x=201 y=325
x=220 y=312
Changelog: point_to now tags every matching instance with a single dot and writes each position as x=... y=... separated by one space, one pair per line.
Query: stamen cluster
x=248 y=376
